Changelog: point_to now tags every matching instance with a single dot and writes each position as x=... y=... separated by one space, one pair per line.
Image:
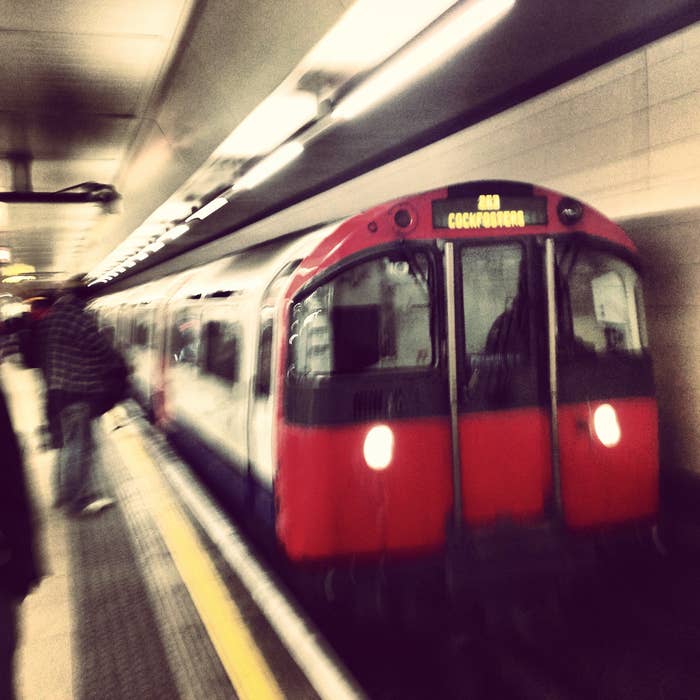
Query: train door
x=261 y=450
x=605 y=410
x=501 y=434
x=183 y=396
x=222 y=406
x=260 y=456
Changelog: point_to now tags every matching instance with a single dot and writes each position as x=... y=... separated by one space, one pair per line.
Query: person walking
x=80 y=368
x=19 y=567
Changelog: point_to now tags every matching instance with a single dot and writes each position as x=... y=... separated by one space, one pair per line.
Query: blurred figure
x=29 y=336
x=19 y=570
x=84 y=376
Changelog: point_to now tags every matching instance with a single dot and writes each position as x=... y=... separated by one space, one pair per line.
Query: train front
x=466 y=372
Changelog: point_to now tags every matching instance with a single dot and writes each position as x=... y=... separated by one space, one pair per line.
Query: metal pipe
x=553 y=389
x=452 y=378
x=96 y=197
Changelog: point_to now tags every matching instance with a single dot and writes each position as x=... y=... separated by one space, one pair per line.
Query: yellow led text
x=486 y=219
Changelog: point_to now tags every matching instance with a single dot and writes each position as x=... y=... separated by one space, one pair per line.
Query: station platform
x=158 y=596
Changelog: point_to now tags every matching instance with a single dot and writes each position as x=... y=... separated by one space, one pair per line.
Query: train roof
x=417 y=217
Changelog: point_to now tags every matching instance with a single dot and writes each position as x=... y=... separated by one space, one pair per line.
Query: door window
x=184 y=336
x=222 y=351
x=496 y=319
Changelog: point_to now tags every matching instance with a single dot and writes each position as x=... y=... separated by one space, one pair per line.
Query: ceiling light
x=272 y=122
x=14 y=279
x=208 y=209
x=372 y=30
x=176 y=232
x=269 y=165
x=423 y=55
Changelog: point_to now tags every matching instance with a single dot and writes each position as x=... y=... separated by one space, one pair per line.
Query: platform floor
x=144 y=600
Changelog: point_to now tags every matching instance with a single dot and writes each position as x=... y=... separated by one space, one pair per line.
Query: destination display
x=489 y=211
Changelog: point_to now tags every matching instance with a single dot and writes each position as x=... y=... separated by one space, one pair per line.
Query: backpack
x=116 y=386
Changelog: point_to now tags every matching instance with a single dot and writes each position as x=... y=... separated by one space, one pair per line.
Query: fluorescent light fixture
x=208 y=209
x=176 y=232
x=269 y=165
x=171 y=210
x=371 y=31
x=272 y=122
x=14 y=279
x=424 y=55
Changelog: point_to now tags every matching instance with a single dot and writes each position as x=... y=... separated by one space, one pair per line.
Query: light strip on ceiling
x=208 y=209
x=269 y=165
x=371 y=31
x=177 y=231
x=423 y=55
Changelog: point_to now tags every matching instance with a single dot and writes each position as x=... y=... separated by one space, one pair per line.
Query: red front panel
x=331 y=504
x=608 y=485
x=506 y=465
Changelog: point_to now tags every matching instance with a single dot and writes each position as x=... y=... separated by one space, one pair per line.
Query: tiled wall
x=670 y=246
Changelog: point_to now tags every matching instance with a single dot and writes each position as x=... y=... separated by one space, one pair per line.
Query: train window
x=123 y=329
x=184 y=337
x=263 y=376
x=140 y=333
x=222 y=352
x=374 y=315
x=495 y=300
x=108 y=332
x=601 y=298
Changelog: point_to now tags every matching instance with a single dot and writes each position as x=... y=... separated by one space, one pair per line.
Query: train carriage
x=425 y=361
x=456 y=363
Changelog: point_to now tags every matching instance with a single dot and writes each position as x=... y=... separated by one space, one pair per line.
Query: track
x=632 y=634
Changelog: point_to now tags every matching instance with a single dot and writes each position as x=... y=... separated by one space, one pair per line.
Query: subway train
x=459 y=377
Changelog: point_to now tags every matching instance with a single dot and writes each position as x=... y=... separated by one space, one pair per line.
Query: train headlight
x=606 y=425
x=569 y=210
x=379 y=447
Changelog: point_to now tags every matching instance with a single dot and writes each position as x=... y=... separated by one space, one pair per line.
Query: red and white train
x=460 y=366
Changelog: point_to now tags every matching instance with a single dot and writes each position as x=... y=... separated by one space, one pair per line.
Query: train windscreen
x=374 y=315
x=600 y=296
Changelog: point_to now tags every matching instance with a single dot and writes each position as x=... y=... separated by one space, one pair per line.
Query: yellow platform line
x=243 y=662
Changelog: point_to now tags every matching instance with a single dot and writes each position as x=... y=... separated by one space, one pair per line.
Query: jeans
x=74 y=477
x=8 y=642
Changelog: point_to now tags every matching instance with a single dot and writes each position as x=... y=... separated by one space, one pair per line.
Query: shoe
x=97 y=506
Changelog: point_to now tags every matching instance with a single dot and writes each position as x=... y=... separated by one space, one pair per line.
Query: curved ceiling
x=142 y=95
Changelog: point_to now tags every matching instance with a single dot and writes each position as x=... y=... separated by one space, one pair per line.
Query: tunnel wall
x=670 y=246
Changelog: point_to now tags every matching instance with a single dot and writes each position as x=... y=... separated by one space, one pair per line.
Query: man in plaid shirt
x=77 y=359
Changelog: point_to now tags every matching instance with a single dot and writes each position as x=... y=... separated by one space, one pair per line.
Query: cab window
x=601 y=303
x=375 y=315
